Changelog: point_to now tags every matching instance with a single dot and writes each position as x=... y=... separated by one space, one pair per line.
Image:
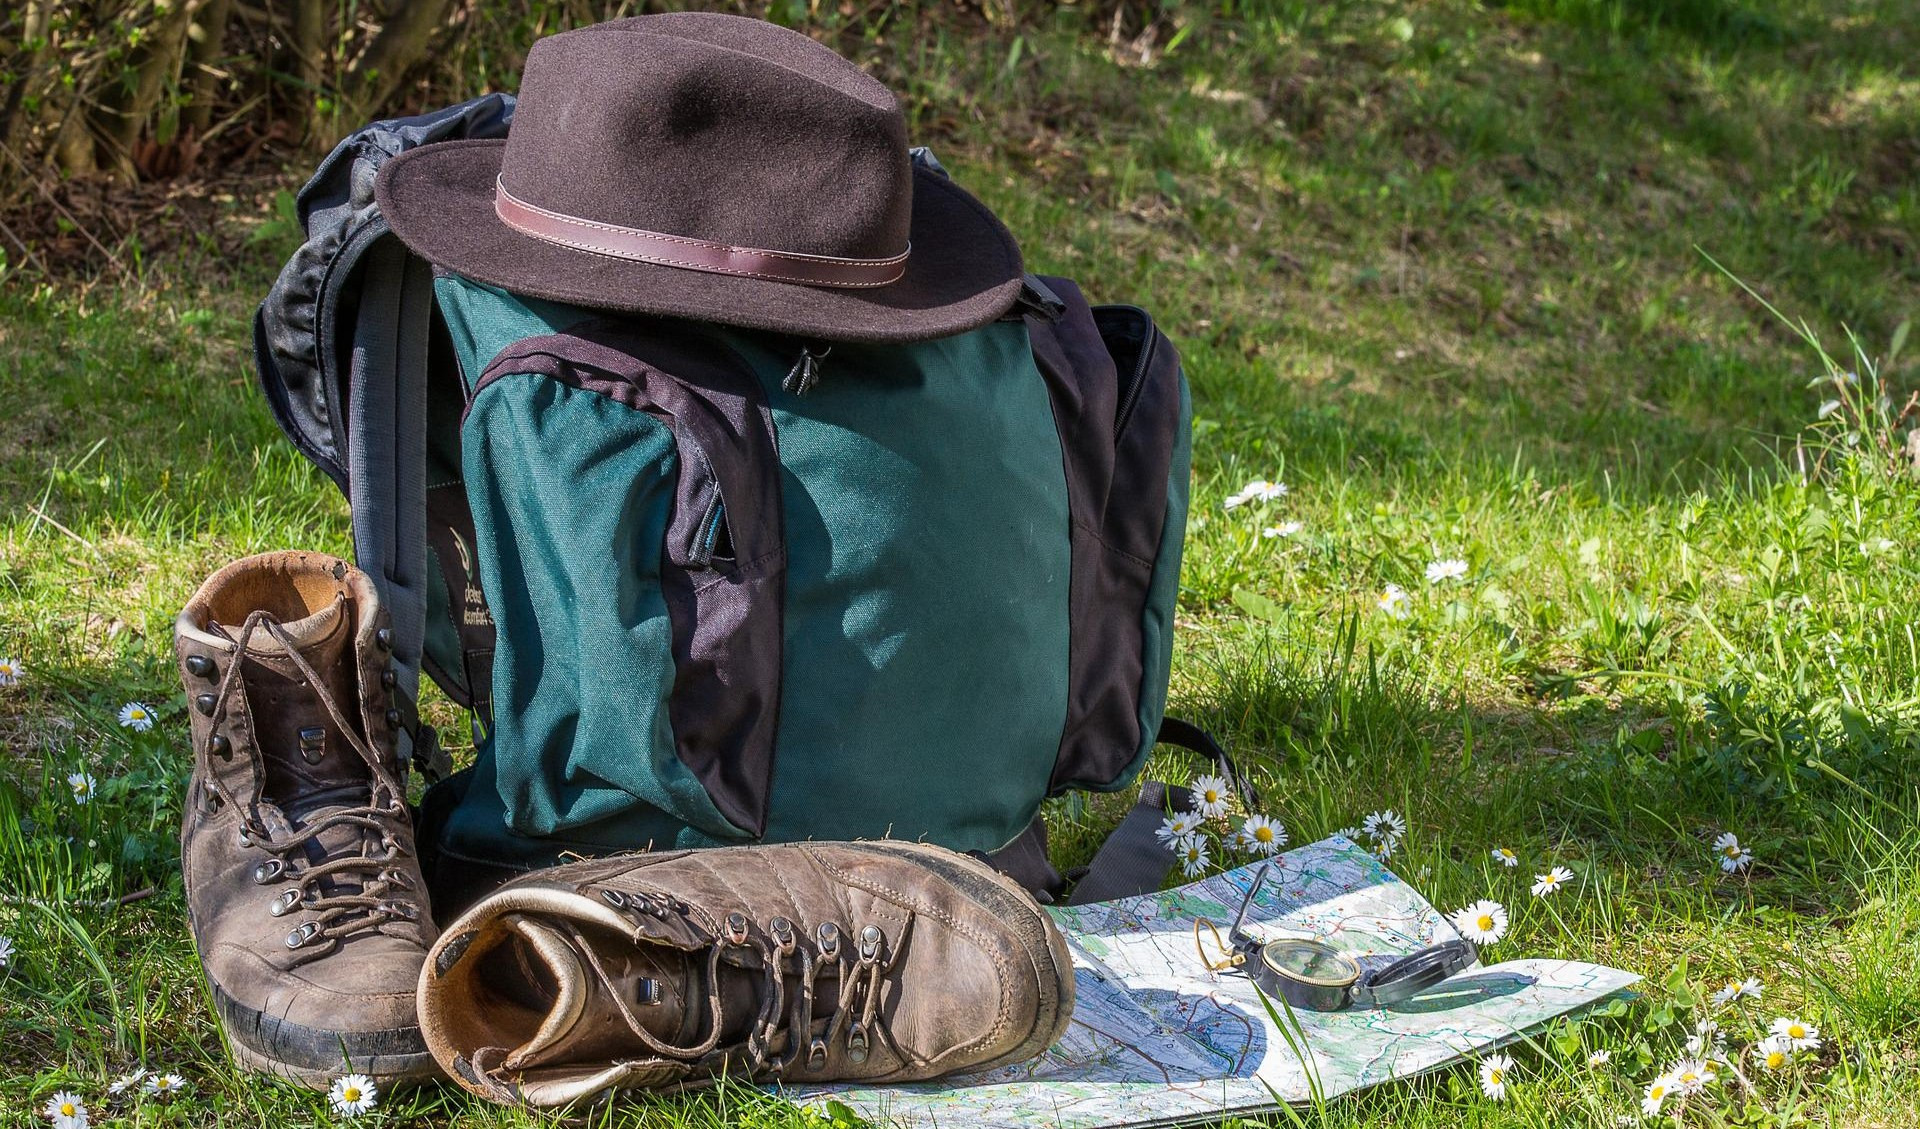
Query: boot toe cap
x=344 y=1012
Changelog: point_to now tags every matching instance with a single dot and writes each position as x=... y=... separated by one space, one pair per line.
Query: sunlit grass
x=1444 y=280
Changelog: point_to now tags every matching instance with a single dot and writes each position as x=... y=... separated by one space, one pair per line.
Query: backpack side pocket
x=1119 y=404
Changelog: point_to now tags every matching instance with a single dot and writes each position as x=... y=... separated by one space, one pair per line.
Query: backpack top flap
x=305 y=326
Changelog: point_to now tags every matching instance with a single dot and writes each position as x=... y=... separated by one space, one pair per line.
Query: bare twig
x=42 y=515
x=25 y=250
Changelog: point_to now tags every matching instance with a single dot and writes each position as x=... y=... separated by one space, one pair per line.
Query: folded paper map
x=1157 y=1039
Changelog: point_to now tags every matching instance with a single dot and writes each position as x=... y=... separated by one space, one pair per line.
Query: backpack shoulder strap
x=341 y=348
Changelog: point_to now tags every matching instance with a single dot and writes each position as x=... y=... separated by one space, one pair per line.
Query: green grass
x=1438 y=266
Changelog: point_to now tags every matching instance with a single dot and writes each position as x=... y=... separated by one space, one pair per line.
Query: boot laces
x=785 y=1018
x=337 y=913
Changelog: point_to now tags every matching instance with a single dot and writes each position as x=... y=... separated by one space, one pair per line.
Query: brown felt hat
x=708 y=166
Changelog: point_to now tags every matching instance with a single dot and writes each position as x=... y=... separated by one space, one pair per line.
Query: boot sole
x=1044 y=945
x=396 y=1057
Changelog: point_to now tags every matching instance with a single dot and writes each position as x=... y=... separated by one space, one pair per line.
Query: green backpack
x=703 y=586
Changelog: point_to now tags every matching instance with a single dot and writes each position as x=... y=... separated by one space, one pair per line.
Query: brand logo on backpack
x=474 y=611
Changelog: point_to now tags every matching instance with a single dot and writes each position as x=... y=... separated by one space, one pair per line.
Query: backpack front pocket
x=625 y=489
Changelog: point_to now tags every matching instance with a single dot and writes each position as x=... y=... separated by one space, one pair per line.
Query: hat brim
x=964 y=270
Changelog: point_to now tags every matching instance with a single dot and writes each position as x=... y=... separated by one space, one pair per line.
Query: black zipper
x=713 y=516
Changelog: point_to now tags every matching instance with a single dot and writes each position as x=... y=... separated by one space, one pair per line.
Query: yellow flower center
x=1776 y=1059
x=66 y=1109
x=1797 y=1031
x=1657 y=1092
x=1485 y=922
x=1494 y=1076
x=351 y=1093
x=1689 y=1076
x=1213 y=797
x=1264 y=834
x=1730 y=852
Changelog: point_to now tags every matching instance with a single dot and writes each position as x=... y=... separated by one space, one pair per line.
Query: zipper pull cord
x=805 y=372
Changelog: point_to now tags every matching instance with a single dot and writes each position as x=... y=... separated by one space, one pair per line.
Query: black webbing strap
x=1133 y=860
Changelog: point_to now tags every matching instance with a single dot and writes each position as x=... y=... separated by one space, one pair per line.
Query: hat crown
x=715 y=128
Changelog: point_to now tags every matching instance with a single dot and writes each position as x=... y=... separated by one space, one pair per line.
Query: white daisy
x=1351 y=834
x=1178 y=828
x=1692 y=1075
x=1393 y=601
x=1802 y=1035
x=353 y=1095
x=1748 y=989
x=1193 y=858
x=136 y=716
x=1551 y=881
x=1384 y=825
x=1733 y=856
x=1505 y=857
x=1708 y=1041
x=82 y=785
x=165 y=1086
x=1210 y=796
x=126 y=1082
x=67 y=1111
x=1657 y=1092
x=1259 y=490
x=1483 y=922
x=1493 y=1076
x=1383 y=849
x=1262 y=836
x=1774 y=1052
x=1600 y=1058
x=1284 y=529
x=11 y=671
x=6 y=951
x=1439 y=571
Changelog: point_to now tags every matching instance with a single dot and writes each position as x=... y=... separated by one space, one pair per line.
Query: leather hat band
x=691 y=254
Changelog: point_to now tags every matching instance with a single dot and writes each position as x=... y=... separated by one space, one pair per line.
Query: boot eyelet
x=269 y=871
x=220 y=747
x=856 y=1044
x=782 y=931
x=200 y=666
x=614 y=898
x=303 y=935
x=284 y=904
x=204 y=703
x=402 y=910
x=388 y=678
x=383 y=639
x=737 y=928
x=393 y=719
x=829 y=935
x=817 y=1055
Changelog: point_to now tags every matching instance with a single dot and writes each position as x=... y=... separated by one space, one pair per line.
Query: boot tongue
x=306 y=754
x=586 y=1018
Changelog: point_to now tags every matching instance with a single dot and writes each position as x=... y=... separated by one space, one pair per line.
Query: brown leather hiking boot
x=813 y=962
x=302 y=885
